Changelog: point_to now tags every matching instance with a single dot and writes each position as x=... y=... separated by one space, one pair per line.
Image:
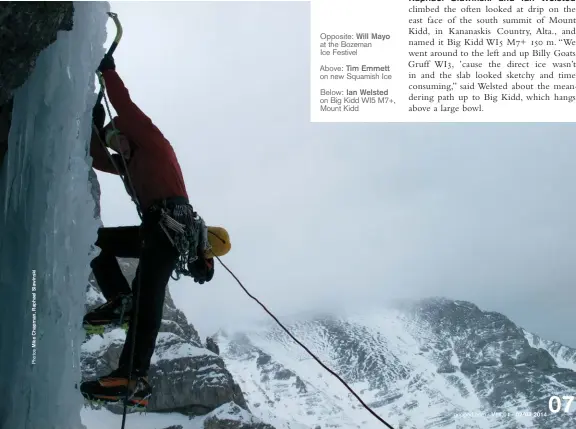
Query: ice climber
x=154 y=173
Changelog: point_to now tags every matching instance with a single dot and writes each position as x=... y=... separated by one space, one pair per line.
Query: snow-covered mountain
x=433 y=364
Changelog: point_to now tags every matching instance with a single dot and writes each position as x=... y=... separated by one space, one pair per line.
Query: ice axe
x=110 y=51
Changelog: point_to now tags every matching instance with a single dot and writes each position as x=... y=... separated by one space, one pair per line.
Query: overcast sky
x=342 y=215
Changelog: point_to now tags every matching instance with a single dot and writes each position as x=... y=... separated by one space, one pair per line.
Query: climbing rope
x=366 y=406
x=177 y=226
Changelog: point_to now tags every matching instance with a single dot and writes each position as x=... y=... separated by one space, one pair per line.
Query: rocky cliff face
x=26 y=28
x=185 y=376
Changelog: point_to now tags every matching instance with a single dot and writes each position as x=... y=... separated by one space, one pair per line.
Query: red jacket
x=153 y=166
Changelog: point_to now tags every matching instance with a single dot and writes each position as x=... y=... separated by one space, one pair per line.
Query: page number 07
x=555 y=403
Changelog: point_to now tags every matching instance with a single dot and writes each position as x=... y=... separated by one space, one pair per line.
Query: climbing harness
x=188 y=233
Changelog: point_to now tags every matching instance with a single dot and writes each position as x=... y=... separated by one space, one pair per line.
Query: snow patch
x=178 y=351
x=233 y=412
x=104 y=419
x=93 y=297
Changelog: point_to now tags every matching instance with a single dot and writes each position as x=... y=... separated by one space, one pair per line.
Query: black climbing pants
x=158 y=259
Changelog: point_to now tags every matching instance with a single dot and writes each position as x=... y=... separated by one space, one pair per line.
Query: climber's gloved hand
x=107 y=63
x=99 y=116
x=202 y=269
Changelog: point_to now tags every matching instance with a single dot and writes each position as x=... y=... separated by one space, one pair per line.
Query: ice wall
x=46 y=228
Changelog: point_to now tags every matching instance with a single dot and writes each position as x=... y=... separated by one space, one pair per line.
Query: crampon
x=114 y=388
x=100 y=329
x=137 y=406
